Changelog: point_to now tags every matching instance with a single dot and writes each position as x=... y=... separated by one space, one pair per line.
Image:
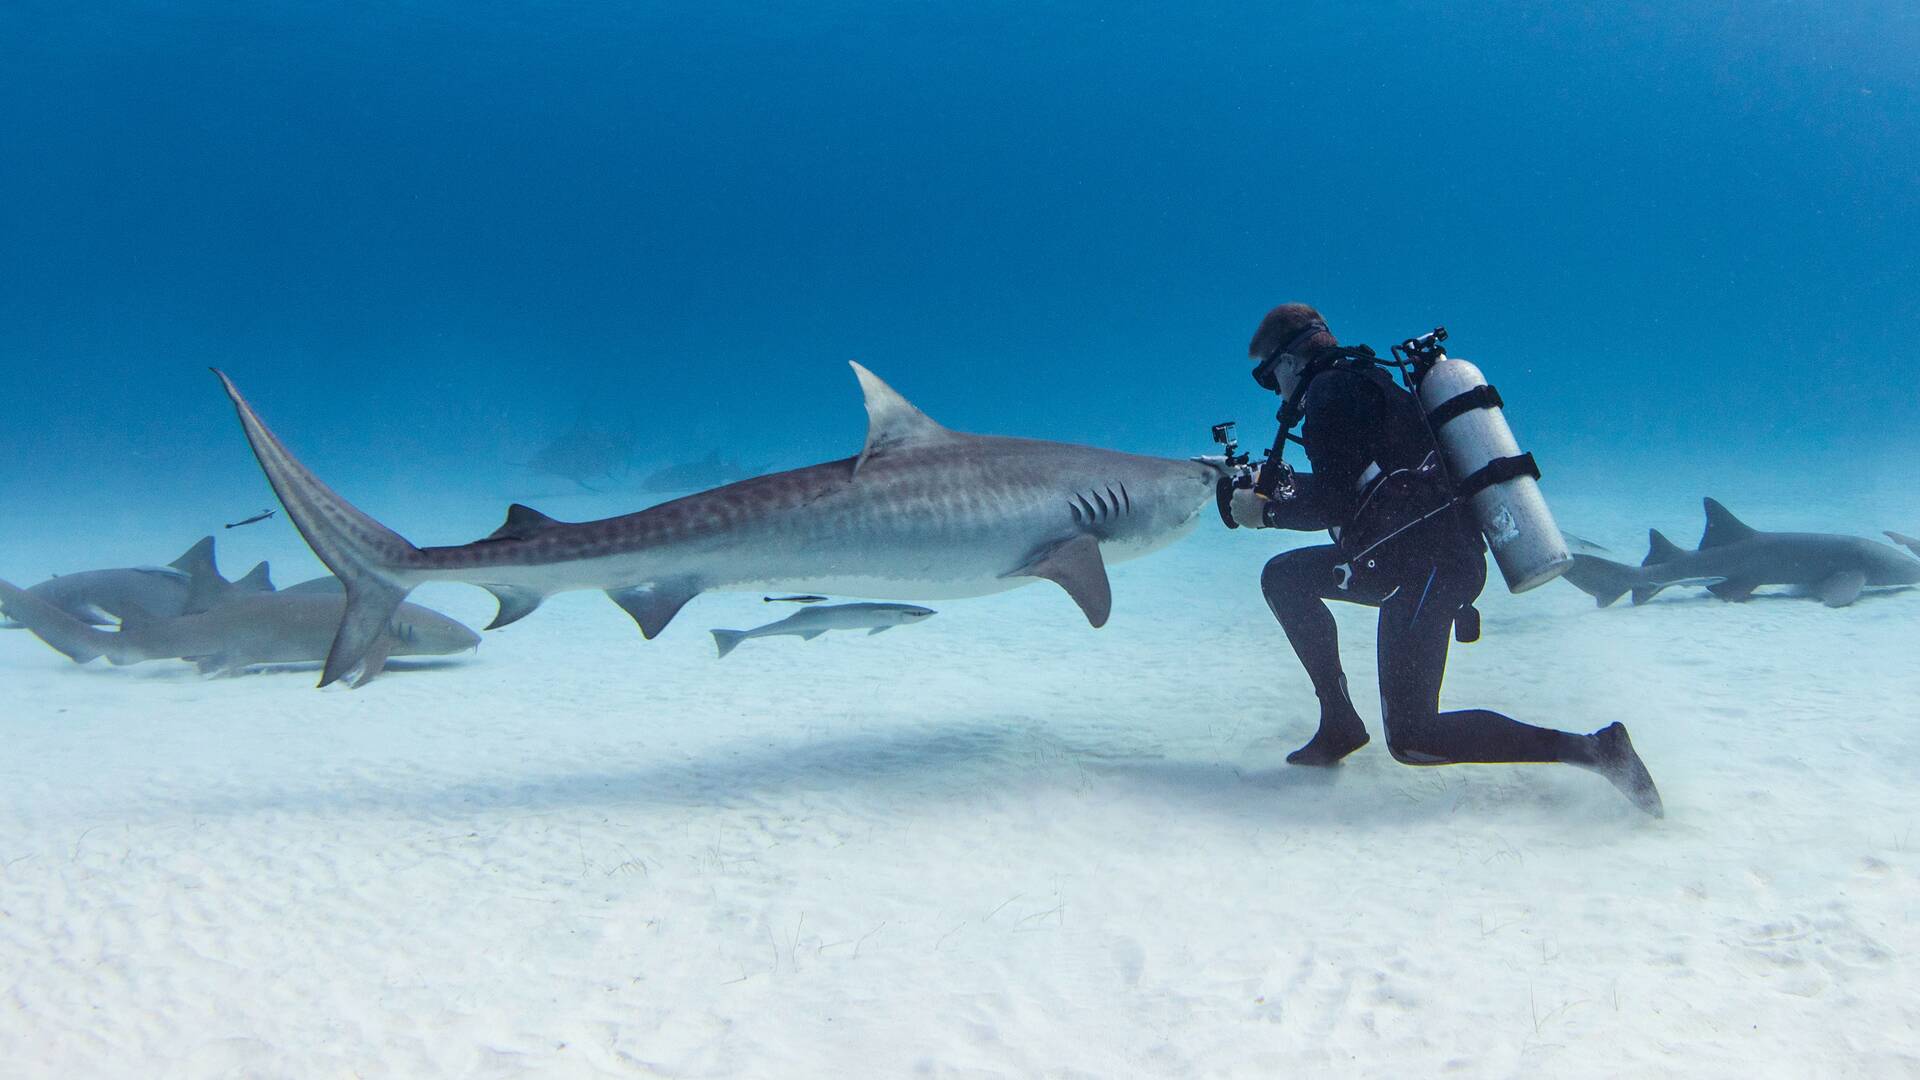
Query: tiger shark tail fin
x=375 y=563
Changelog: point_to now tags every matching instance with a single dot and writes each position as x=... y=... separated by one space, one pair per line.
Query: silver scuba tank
x=1499 y=483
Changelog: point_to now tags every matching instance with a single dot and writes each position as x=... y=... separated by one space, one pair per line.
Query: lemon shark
x=188 y=585
x=921 y=513
x=291 y=626
x=1734 y=559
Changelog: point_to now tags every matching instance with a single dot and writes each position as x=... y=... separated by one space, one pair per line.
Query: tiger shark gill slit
x=921 y=513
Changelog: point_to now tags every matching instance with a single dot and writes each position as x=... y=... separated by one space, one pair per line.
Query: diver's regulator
x=1481 y=461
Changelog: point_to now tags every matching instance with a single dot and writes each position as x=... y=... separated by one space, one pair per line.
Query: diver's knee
x=1404 y=745
x=1285 y=573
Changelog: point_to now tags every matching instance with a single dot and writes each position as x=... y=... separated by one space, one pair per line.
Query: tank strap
x=1498 y=471
x=1483 y=396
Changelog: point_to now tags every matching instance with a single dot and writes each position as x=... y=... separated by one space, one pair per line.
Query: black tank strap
x=1498 y=471
x=1480 y=397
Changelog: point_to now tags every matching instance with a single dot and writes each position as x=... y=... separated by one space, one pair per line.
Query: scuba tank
x=1491 y=476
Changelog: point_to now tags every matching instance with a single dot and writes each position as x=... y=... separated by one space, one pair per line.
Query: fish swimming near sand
x=292 y=626
x=1734 y=559
x=921 y=513
x=191 y=583
x=810 y=623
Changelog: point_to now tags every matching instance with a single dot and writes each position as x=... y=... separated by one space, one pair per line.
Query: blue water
x=435 y=234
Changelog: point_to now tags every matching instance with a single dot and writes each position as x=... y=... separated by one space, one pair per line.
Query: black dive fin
x=1660 y=549
x=1076 y=566
x=1722 y=527
x=516 y=603
x=653 y=607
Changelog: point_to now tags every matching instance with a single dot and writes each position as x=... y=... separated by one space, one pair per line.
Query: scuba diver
x=1406 y=541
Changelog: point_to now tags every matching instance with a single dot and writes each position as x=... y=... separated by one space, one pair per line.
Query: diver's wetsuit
x=1421 y=580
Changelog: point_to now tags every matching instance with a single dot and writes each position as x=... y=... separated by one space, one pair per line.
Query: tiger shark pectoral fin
x=1076 y=566
x=1841 y=589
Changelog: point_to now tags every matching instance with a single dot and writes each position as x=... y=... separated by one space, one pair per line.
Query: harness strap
x=1483 y=396
x=1497 y=471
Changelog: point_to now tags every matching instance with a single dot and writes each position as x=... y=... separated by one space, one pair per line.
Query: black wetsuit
x=1421 y=580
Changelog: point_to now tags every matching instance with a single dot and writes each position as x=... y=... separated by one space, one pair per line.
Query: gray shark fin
x=728 y=640
x=1602 y=579
x=879 y=629
x=371 y=560
x=653 y=607
x=809 y=635
x=1734 y=590
x=374 y=662
x=1660 y=549
x=1910 y=543
x=64 y=633
x=198 y=559
x=1645 y=593
x=891 y=419
x=1841 y=589
x=1076 y=566
x=258 y=579
x=522 y=522
x=1722 y=527
x=357 y=651
x=516 y=603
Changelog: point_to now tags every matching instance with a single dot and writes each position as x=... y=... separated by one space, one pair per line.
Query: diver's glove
x=1249 y=509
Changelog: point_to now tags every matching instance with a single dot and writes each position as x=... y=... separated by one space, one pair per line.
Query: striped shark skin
x=921 y=513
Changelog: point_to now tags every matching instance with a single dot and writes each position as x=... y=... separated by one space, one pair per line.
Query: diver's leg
x=1415 y=625
x=1297 y=585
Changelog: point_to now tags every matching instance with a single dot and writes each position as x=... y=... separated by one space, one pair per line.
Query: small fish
x=808 y=598
x=810 y=623
x=261 y=516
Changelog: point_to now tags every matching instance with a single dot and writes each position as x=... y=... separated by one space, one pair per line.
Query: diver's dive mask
x=1267 y=372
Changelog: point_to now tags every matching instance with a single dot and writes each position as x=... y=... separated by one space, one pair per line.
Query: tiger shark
x=1734 y=559
x=921 y=513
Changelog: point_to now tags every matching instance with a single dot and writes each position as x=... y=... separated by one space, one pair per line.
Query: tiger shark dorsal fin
x=1722 y=527
x=522 y=522
x=1660 y=549
x=892 y=421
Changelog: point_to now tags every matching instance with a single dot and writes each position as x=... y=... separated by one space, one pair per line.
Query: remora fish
x=1734 y=559
x=189 y=584
x=922 y=513
x=262 y=628
x=810 y=623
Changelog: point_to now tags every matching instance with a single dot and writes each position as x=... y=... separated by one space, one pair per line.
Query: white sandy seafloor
x=998 y=844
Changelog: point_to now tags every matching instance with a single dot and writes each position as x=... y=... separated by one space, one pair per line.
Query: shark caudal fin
x=1602 y=579
x=66 y=634
x=371 y=560
x=728 y=640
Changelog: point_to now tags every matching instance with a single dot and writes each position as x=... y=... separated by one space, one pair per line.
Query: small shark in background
x=586 y=451
x=709 y=472
x=810 y=623
x=190 y=584
x=291 y=626
x=1734 y=559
